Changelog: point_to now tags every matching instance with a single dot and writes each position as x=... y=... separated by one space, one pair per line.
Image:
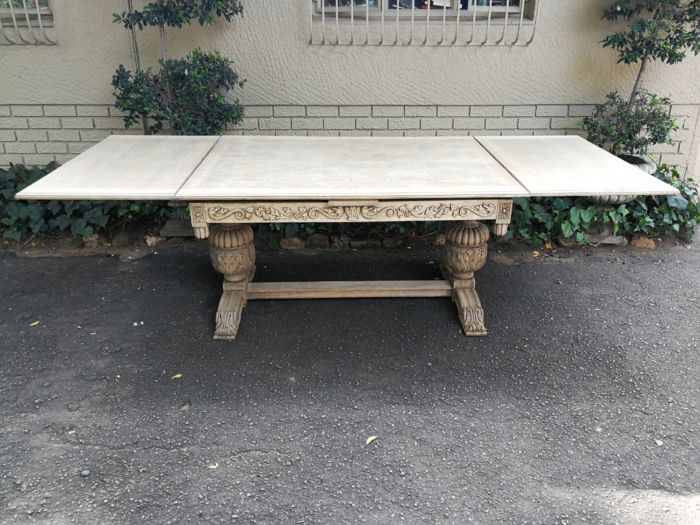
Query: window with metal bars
x=423 y=22
x=25 y=21
x=374 y=8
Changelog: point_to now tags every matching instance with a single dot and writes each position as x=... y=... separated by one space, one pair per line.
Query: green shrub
x=536 y=221
x=657 y=30
x=84 y=218
x=189 y=93
x=540 y=220
x=625 y=129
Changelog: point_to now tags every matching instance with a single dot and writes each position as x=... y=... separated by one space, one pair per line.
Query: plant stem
x=135 y=54
x=163 y=47
x=638 y=82
x=164 y=50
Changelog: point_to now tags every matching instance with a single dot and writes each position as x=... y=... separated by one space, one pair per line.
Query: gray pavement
x=580 y=407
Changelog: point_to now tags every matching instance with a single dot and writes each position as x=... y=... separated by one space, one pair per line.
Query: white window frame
x=497 y=8
x=23 y=13
x=23 y=23
x=379 y=25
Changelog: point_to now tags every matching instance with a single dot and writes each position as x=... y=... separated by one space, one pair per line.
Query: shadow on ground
x=581 y=406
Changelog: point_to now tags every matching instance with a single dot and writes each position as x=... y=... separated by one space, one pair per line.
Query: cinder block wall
x=39 y=134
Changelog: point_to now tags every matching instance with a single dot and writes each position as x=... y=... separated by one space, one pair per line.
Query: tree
x=189 y=93
x=663 y=30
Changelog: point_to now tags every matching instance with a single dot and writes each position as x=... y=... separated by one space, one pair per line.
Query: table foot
x=471 y=314
x=465 y=253
x=228 y=316
x=233 y=255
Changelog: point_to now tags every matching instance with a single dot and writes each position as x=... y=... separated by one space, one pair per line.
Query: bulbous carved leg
x=233 y=255
x=463 y=254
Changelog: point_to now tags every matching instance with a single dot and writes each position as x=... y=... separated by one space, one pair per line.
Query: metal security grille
x=25 y=22
x=423 y=22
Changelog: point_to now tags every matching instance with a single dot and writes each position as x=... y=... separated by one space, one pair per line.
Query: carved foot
x=233 y=255
x=228 y=316
x=471 y=315
x=465 y=253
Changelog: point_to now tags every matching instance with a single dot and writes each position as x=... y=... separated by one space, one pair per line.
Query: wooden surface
x=570 y=166
x=348 y=289
x=125 y=167
x=332 y=168
x=369 y=169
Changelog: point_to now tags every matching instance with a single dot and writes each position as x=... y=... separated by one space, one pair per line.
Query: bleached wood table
x=232 y=182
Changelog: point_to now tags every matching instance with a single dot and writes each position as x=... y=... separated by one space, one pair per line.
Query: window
x=420 y=8
x=22 y=10
x=25 y=21
x=423 y=22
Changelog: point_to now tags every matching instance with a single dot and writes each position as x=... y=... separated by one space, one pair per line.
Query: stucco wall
x=563 y=66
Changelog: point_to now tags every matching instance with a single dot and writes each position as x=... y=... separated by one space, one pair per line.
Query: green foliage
x=189 y=93
x=535 y=220
x=541 y=220
x=664 y=30
x=84 y=218
x=658 y=29
x=176 y=13
x=625 y=129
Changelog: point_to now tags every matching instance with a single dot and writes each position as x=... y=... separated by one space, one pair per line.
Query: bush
x=84 y=218
x=538 y=221
x=189 y=93
x=624 y=129
x=663 y=30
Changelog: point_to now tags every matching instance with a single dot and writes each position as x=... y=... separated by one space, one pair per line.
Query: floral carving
x=460 y=261
x=272 y=212
x=465 y=250
x=232 y=251
x=235 y=264
x=504 y=211
x=227 y=324
x=197 y=213
x=432 y=211
x=472 y=319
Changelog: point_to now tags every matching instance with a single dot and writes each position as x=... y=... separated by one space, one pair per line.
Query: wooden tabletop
x=570 y=166
x=125 y=167
x=330 y=168
x=238 y=168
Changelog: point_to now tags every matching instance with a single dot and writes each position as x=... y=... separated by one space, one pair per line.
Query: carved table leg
x=465 y=253
x=233 y=255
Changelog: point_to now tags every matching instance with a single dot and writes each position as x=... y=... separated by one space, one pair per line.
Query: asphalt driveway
x=580 y=407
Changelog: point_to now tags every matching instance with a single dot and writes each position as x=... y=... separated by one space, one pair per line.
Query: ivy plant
x=538 y=221
x=190 y=94
x=84 y=218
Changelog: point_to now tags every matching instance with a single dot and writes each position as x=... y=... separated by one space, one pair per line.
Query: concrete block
x=27 y=111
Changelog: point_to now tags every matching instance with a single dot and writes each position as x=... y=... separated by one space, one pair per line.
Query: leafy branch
x=664 y=30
